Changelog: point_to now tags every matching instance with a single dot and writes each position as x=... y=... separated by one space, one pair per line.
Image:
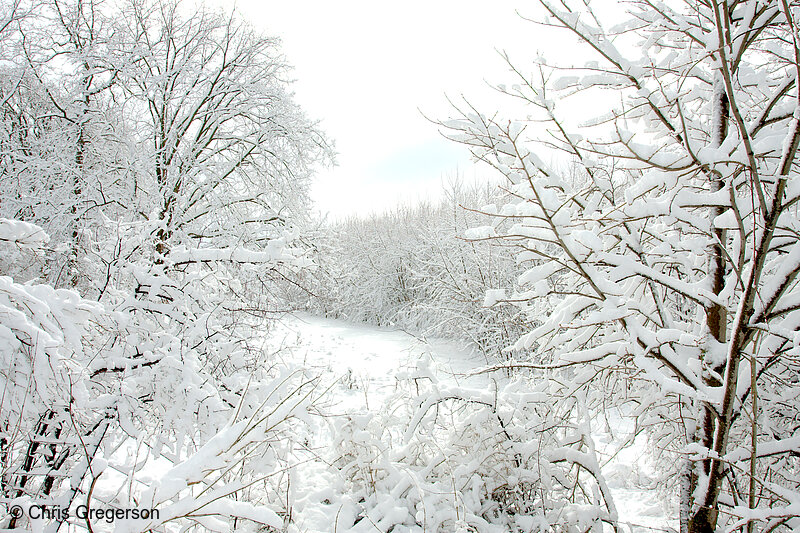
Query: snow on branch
x=22 y=234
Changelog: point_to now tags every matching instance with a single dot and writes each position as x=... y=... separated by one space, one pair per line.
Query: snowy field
x=362 y=366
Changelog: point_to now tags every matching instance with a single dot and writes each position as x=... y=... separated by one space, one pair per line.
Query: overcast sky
x=368 y=71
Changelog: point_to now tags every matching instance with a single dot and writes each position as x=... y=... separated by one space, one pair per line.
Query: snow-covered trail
x=368 y=358
x=363 y=364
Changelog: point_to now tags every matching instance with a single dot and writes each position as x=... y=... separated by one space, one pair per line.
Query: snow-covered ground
x=367 y=361
x=368 y=358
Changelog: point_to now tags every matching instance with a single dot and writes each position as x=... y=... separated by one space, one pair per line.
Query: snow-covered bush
x=231 y=479
x=47 y=403
x=441 y=458
x=88 y=392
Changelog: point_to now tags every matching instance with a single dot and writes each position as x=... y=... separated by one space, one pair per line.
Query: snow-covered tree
x=59 y=64
x=227 y=152
x=664 y=276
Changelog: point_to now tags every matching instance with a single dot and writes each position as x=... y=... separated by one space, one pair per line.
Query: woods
x=413 y=269
x=628 y=273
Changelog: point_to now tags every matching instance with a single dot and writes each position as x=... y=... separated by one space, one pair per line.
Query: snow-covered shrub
x=234 y=477
x=87 y=391
x=441 y=458
x=51 y=417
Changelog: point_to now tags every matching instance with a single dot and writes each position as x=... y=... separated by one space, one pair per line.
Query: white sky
x=369 y=69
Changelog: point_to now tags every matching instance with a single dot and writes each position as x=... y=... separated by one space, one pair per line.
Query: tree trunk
x=704 y=519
